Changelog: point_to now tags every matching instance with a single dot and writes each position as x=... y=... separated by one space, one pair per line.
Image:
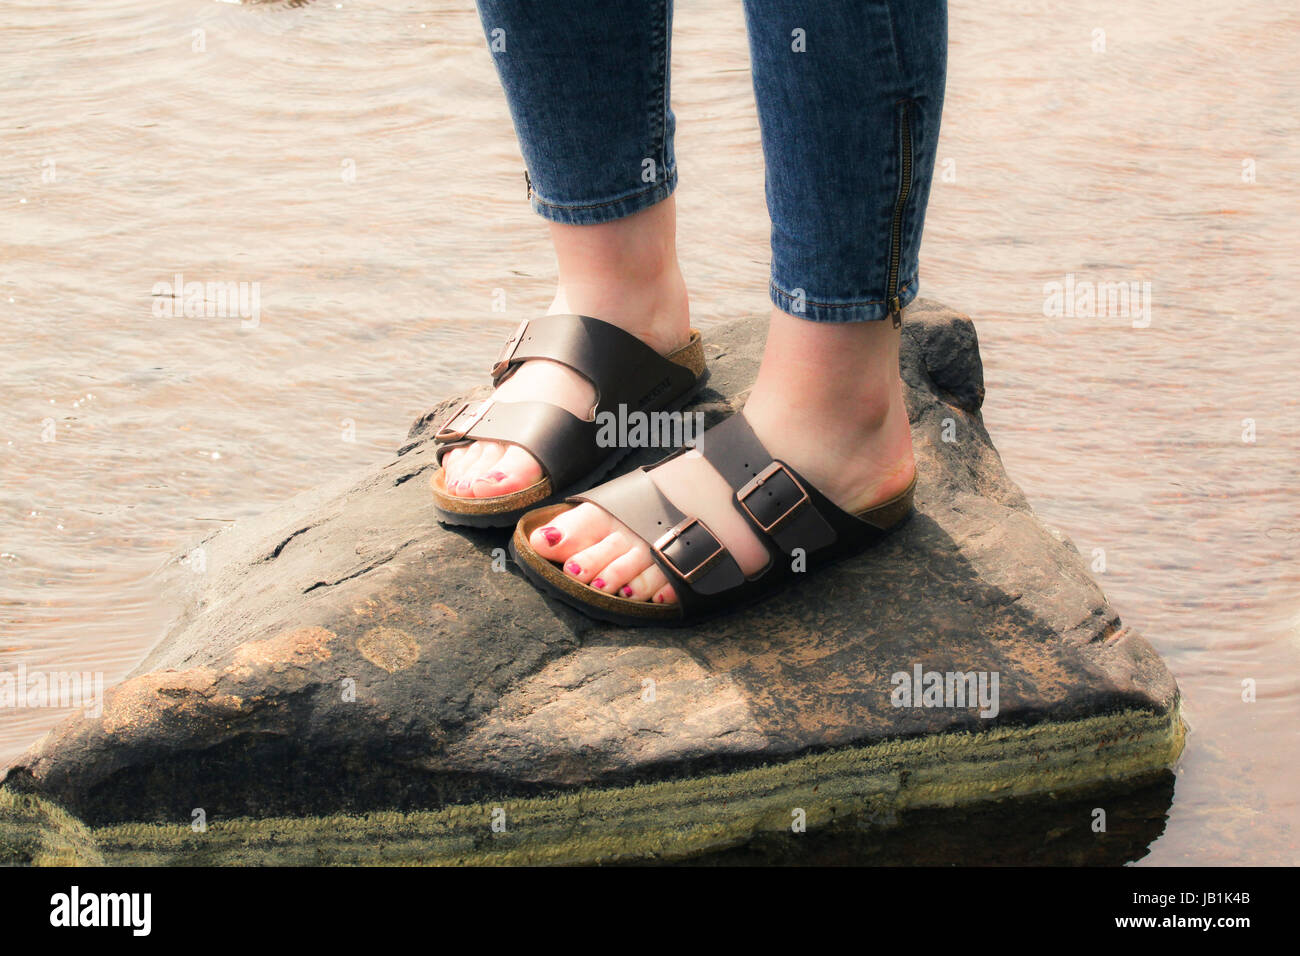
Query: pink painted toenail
x=552 y=535
x=627 y=591
x=494 y=476
x=573 y=568
x=598 y=583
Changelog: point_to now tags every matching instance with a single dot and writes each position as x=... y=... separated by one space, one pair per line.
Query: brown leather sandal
x=629 y=377
x=784 y=509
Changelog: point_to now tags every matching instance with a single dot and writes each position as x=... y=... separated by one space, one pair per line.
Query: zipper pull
x=896 y=311
x=528 y=182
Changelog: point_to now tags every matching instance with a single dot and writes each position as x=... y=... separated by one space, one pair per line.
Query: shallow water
x=356 y=161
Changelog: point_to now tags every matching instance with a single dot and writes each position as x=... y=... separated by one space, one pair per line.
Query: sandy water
x=356 y=161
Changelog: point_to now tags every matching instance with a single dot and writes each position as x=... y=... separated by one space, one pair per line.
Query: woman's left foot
x=856 y=454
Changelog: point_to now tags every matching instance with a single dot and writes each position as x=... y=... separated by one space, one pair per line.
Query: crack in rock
x=280 y=547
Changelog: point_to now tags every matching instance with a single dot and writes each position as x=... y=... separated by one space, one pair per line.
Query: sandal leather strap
x=623 y=369
x=564 y=444
x=689 y=554
x=780 y=505
x=785 y=510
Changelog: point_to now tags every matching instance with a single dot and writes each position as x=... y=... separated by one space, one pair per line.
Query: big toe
x=513 y=471
x=571 y=532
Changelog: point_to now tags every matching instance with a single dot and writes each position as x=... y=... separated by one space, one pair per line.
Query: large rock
x=345 y=653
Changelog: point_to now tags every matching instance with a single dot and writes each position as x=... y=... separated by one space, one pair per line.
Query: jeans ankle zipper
x=896 y=232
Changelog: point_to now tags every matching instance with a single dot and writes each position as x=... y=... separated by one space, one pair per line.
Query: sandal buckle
x=446 y=432
x=757 y=482
x=676 y=531
x=508 y=351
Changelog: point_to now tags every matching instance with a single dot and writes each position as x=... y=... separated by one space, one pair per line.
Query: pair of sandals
x=800 y=527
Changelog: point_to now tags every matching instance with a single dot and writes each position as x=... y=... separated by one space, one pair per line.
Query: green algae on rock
x=34 y=832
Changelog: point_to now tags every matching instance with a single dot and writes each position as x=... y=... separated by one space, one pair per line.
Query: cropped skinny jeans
x=849 y=96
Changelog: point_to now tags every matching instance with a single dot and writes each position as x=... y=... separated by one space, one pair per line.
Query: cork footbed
x=886 y=516
x=690 y=355
x=554 y=575
x=523 y=498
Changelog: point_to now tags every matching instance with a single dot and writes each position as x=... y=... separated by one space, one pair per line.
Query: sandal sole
x=551 y=580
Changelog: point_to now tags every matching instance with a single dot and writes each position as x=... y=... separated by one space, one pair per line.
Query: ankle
x=856 y=452
x=652 y=305
x=839 y=415
x=625 y=272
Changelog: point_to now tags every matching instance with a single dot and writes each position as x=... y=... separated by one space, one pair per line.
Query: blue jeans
x=849 y=95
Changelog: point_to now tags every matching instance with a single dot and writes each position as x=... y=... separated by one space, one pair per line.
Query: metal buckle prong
x=446 y=433
x=758 y=481
x=508 y=351
x=675 y=532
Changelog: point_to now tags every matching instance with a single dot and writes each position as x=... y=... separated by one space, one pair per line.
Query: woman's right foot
x=485 y=469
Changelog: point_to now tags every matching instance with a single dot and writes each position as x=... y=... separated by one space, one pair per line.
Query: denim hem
x=863 y=311
x=590 y=214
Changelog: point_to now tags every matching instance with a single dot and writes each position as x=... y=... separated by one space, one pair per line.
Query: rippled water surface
x=356 y=161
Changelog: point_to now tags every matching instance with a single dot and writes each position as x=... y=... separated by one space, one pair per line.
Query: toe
x=478 y=480
x=489 y=485
x=452 y=463
x=488 y=457
x=623 y=569
x=665 y=595
x=587 y=564
x=459 y=483
x=518 y=470
x=570 y=532
x=646 y=584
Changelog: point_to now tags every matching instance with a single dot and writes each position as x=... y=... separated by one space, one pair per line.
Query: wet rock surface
x=345 y=653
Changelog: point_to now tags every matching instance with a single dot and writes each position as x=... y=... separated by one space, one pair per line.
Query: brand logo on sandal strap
x=655 y=392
